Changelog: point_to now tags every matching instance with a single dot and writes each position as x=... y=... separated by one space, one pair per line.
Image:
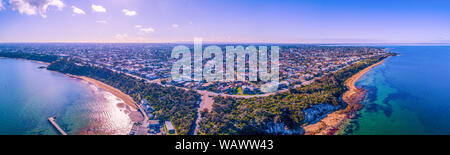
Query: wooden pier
x=60 y=130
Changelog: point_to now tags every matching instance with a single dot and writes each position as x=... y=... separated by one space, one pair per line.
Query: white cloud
x=147 y=30
x=143 y=30
x=121 y=36
x=98 y=8
x=175 y=25
x=32 y=7
x=101 y=21
x=129 y=12
x=1 y=5
x=77 y=10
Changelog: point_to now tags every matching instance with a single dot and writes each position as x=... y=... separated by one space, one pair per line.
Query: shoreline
x=41 y=62
x=353 y=97
x=128 y=103
x=116 y=92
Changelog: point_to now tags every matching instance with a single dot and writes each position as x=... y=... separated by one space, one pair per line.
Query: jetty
x=60 y=130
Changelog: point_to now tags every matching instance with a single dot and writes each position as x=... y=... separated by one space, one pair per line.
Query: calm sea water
x=28 y=96
x=407 y=94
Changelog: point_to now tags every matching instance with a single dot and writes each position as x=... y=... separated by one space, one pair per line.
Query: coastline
x=129 y=104
x=116 y=92
x=41 y=62
x=123 y=102
x=327 y=126
x=353 y=97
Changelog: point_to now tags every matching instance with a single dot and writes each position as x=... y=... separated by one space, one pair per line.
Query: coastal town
x=149 y=126
x=224 y=75
x=300 y=65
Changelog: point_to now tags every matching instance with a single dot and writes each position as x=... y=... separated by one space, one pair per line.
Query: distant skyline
x=247 y=21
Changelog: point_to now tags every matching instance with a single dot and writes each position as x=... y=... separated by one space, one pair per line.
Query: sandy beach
x=353 y=97
x=130 y=104
x=116 y=92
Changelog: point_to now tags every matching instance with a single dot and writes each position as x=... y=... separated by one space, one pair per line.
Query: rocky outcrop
x=318 y=112
x=311 y=115
x=281 y=129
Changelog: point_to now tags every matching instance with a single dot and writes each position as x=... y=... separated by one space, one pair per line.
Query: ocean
x=407 y=94
x=29 y=95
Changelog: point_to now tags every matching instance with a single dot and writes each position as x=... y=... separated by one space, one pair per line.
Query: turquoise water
x=407 y=94
x=29 y=95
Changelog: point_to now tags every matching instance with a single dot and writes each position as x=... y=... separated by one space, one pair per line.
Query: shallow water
x=28 y=96
x=407 y=94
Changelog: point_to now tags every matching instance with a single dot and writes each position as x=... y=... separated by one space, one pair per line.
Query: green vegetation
x=170 y=103
x=240 y=92
x=252 y=116
x=229 y=115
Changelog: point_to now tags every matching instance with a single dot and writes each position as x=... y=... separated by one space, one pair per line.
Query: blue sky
x=276 y=21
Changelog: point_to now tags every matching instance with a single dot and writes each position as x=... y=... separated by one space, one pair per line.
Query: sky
x=245 y=21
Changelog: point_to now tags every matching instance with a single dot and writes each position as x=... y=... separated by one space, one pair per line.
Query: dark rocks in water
x=42 y=67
